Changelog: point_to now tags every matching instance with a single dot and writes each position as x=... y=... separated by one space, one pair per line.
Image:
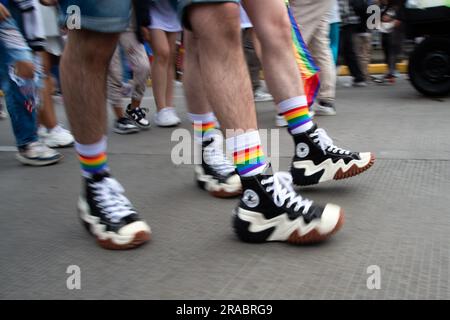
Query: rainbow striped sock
x=296 y=113
x=204 y=126
x=92 y=157
x=247 y=152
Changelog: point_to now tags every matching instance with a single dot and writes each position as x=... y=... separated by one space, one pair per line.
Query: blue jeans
x=22 y=114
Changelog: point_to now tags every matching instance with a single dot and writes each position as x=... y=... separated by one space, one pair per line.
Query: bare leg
x=160 y=46
x=197 y=101
x=171 y=38
x=272 y=26
x=46 y=113
x=222 y=66
x=84 y=68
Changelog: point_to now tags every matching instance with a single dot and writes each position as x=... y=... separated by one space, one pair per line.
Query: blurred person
x=313 y=19
x=268 y=199
x=19 y=76
x=349 y=26
x=391 y=36
x=164 y=27
x=335 y=21
x=50 y=132
x=363 y=36
x=134 y=117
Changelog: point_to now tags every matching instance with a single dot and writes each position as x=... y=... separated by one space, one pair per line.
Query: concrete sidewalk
x=397 y=217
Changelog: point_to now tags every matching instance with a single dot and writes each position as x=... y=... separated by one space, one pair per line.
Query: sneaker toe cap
x=332 y=216
x=133 y=228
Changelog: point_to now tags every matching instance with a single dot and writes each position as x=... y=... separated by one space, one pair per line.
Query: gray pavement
x=397 y=217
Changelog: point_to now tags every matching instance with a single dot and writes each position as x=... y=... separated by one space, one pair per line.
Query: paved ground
x=397 y=217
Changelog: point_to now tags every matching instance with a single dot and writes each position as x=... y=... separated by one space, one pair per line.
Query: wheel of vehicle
x=429 y=67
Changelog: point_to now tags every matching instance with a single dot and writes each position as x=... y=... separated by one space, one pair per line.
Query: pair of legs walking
x=270 y=209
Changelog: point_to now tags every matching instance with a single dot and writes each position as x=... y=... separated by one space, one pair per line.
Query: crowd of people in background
x=329 y=28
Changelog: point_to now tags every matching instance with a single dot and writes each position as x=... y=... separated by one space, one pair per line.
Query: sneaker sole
x=301 y=179
x=59 y=146
x=241 y=228
x=38 y=163
x=207 y=183
x=109 y=240
x=123 y=132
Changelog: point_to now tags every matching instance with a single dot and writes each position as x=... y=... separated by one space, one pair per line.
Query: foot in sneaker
x=216 y=174
x=167 y=117
x=270 y=210
x=138 y=115
x=125 y=126
x=261 y=96
x=323 y=108
x=317 y=159
x=58 y=137
x=38 y=154
x=280 y=121
x=109 y=216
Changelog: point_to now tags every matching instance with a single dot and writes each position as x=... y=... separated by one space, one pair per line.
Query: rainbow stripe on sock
x=94 y=164
x=249 y=159
x=203 y=129
x=297 y=117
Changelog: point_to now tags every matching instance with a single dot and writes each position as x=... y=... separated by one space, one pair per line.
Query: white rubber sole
x=232 y=188
x=37 y=162
x=331 y=169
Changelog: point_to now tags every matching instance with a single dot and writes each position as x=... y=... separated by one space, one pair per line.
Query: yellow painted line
x=376 y=68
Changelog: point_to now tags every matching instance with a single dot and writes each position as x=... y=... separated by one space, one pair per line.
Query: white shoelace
x=326 y=143
x=213 y=155
x=109 y=195
x=281 y=185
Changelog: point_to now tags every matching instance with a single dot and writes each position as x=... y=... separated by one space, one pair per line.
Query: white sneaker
x=38 y=154
x=167 y=117
x=323 y=109
x=58 y=137
x=3 y=114
x=260 y=95
x=280 y=121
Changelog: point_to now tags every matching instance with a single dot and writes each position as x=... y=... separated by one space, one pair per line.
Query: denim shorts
x=108 y=16
x=182 y=5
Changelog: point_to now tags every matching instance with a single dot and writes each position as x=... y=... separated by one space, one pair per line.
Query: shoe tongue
x=99 y=176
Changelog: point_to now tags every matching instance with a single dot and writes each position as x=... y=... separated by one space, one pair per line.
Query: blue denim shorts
x=182 y=6
x=108 y=16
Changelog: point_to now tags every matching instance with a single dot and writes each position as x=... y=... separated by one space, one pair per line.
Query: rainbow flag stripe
x=308 y=69
x=201 y=128
x=248 y=159
x=93 y=164
x=297 y=117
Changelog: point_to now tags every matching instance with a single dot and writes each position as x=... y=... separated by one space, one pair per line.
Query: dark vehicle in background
x=429 y=62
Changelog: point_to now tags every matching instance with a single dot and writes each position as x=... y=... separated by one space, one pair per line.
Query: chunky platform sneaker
x=317 y=159
x=216 y=174
x=109 y=216
x=270 y=210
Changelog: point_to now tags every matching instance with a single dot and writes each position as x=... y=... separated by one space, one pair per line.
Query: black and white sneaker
x=138 y=115
x=317 y=159
x=109 y=216
x=125 y=126
x=270 y=210
x=217 y=174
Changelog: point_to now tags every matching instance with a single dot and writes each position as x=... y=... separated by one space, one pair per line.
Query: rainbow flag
x=308 y=69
